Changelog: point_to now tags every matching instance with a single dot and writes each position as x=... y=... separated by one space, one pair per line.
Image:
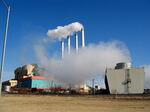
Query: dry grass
x=32 y=103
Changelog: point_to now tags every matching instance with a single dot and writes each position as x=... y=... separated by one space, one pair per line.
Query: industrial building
x=39 y=83
x=29 y=77
x=7 y=85
x=124 y=79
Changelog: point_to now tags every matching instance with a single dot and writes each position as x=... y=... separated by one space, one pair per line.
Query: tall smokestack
x=82 y=33
x=76 y=36
x=68 y=38
x=62 y=48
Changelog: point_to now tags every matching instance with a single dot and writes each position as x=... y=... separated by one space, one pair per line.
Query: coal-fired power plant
x=122 y=79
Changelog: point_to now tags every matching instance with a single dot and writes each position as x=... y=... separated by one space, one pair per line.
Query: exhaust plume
x=86 y=64
x=61 y=32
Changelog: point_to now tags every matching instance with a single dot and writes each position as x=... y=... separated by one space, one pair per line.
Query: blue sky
x=104 y=20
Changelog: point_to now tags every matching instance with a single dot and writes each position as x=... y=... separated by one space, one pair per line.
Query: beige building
x=11 y=83
x=125 y=80
x=7 y=85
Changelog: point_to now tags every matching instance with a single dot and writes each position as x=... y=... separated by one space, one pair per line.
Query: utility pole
x=93 y=88
x=4 y=44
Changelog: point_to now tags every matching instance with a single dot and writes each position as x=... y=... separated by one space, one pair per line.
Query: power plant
x=52 y=65
x=123 y=79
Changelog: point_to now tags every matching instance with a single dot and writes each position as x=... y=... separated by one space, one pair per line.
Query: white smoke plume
x=86 y=64
x=62 y=32
x=147 y=76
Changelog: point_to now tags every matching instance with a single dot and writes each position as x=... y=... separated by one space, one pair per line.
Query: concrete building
x=124 y=79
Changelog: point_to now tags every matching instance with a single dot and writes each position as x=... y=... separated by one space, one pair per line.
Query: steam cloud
x=86 y=64
x=147 y=76
x=62 y=32
x=76 y=68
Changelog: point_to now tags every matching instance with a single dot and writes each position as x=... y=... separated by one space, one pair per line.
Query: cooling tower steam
x=86 y=64
x=61 y=32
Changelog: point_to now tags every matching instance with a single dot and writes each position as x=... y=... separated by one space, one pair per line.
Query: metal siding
x=45 y=84
x=25 y=84
x=115 y=80
x=137 y=81
x=118 y=77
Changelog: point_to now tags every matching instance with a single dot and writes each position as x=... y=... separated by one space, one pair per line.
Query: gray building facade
x=125 y=80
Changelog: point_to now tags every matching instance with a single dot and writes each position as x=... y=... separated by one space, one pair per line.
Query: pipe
x=62 y=49
x=76 y=36
x=82 y=33
x=68 y=38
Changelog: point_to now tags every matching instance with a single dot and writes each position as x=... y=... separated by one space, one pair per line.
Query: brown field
x=39 y=103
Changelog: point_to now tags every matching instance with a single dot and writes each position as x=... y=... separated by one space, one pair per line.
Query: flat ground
x=39 y=103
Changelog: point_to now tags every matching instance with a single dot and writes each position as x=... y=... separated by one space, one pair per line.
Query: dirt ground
x=39 y=103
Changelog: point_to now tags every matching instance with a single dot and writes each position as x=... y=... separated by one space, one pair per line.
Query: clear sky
x=104 y=20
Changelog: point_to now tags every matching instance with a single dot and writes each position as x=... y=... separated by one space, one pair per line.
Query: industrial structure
x=125 y=79
x=31 y=77
x=27 y=71
x=39 y=83
x=82 y=88
x=7 y=85
x=76 y=43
